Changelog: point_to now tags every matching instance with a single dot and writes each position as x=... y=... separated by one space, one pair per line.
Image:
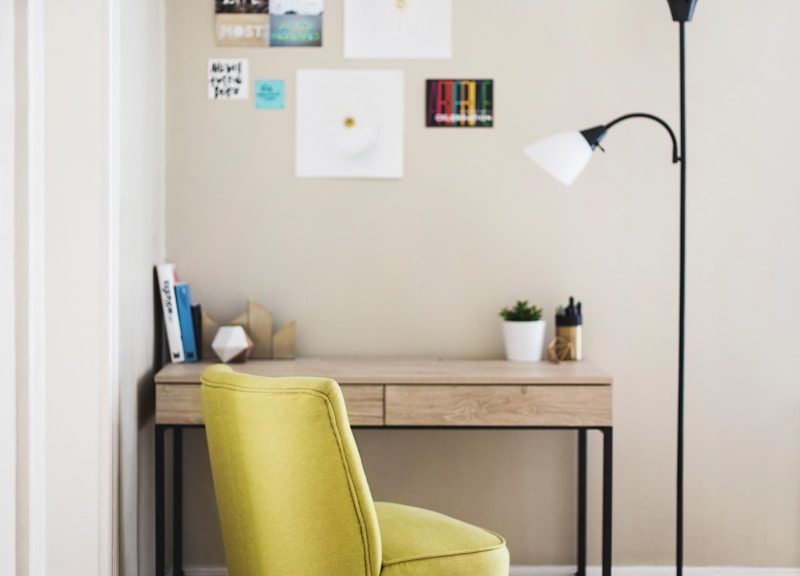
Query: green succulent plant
x=521 y=312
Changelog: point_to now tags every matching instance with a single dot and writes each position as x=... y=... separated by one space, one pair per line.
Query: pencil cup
x=569 y=328
x=573 y=337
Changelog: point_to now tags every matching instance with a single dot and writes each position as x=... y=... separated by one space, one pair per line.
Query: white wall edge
x=592 y=571
x=110 y=521
x=37 y=405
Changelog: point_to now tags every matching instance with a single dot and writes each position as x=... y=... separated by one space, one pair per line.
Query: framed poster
x=459 y=103
x=242 y=22
x=350 y=123
x=405 y=29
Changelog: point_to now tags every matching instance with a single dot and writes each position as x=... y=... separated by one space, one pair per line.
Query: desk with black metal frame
x=414 y=393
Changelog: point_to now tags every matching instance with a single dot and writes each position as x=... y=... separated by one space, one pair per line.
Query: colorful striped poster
x=460 y=103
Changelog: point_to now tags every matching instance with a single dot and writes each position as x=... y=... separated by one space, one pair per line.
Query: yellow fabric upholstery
x=419 y=542
x=293 y=498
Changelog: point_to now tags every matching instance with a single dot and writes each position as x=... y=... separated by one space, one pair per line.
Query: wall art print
x=296 y=22
x=242 y=22
x=270 y=94
x=459 y=103
x=407 y=29
x=350 y=123
x=228 y=78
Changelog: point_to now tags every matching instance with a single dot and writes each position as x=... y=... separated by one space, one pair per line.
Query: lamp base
x=682 y=10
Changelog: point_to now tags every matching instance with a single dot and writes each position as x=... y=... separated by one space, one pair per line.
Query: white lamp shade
x=563 y=156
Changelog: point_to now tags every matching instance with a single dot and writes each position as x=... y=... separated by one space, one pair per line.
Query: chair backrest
x=292 y=495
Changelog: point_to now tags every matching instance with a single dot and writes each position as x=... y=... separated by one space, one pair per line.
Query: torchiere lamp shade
x=564 y=156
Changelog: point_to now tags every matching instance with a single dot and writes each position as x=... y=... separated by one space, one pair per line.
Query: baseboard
x=570 y=571
x=655 y=571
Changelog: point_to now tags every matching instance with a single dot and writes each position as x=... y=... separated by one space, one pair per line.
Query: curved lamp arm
x=565 y=155
x=596 y=134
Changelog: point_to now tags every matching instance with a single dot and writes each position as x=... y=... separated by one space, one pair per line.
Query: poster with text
x=459 y=103
x=406 y=29
x=350 y=123
x=227 y=78
x=296 y=22
x=242 y=22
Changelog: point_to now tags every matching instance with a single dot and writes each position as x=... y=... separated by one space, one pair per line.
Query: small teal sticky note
x=269 y=94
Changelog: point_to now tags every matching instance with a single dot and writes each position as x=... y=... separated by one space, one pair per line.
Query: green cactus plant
x=522 y=311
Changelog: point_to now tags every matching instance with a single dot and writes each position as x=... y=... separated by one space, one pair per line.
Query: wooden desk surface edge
x=408 y=371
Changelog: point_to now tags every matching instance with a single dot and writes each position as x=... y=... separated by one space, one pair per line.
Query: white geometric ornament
x=232 y=344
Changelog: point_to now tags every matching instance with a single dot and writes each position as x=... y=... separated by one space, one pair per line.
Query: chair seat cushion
x=419 y=542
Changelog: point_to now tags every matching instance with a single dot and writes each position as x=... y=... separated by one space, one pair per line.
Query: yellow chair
x=293 y=498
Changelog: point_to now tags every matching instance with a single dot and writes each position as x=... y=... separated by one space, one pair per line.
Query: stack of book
x=182 y=320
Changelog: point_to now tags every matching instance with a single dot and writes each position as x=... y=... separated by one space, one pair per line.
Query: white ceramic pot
x=524 y=340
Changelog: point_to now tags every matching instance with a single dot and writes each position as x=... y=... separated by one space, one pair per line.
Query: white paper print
x=228 y=79
x=301 y=7
x=349 y=123
x=408 y=29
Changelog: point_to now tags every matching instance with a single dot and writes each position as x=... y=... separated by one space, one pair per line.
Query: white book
x=166 y=287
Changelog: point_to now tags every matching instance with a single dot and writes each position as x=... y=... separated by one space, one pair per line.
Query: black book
x=197 y=324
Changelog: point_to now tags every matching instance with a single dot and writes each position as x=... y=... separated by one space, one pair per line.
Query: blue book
x=183 y=299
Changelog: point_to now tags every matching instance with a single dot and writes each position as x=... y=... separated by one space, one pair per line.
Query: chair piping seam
x=447 y=555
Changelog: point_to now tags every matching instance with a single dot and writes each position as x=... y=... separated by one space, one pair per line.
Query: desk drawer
x=180 y=404
x=498 y=406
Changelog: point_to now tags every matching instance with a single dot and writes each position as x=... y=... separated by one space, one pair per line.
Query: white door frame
x=37 y=517
x=33 y=378
x=8 y=391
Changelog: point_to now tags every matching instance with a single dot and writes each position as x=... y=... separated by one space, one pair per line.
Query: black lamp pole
x=682 y=12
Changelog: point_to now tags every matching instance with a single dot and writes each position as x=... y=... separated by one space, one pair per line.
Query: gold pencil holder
x=569 y=331
x=573 y=341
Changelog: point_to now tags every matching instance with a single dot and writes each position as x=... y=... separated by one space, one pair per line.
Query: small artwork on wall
x=349 y=123
x=459 y=103
x=296 y=22
x=242 y=22
x=227 y=78
x=270 y=94
x=398 y=29
x=242 y=6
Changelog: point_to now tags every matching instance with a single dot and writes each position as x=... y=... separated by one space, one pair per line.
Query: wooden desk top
x=407 y=371
x=388 y=392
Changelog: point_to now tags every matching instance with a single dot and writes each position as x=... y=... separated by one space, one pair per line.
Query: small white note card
x=228 y=78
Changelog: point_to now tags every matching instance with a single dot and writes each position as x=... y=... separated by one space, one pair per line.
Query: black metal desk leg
x=159 y=500
x=581 y=503
x=177 y=502
x=608 y=489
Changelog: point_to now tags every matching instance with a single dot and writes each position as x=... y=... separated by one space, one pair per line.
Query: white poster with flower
x=349 y=123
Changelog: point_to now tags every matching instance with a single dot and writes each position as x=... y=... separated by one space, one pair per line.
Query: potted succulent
x=523 y=332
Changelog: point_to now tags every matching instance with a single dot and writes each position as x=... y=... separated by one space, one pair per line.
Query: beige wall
x=141 y=246
x=422 y=265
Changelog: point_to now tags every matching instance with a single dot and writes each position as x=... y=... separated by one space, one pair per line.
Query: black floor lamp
x=565 y=155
